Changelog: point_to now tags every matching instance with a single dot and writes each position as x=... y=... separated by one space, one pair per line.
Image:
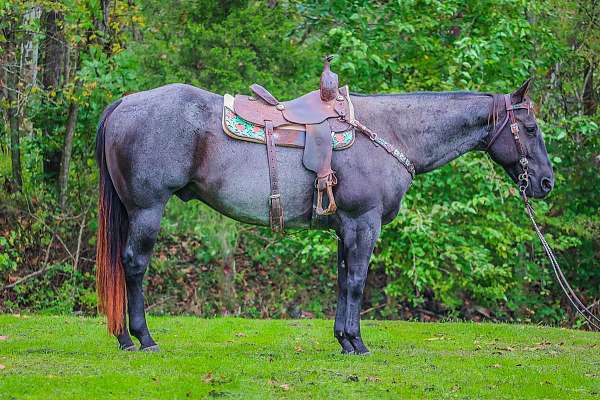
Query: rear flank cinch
x=112 y=235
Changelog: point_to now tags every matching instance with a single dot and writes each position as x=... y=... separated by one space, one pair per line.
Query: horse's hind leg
x=125 y=342
x=144 y=225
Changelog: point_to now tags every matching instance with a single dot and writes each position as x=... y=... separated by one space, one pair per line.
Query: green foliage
x=461 y=245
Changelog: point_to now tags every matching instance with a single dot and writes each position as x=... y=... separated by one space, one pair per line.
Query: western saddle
x=310 y=121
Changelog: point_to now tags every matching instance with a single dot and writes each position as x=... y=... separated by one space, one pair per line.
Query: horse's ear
x=519 y=95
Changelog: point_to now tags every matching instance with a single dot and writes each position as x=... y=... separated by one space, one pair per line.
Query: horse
x=169 y=141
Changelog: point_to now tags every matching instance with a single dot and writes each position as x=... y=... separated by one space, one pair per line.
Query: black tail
x=112 y=235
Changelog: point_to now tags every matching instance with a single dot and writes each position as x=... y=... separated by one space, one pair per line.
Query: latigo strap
x=275 y=206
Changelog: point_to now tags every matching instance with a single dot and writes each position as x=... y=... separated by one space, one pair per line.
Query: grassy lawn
x=70 y=357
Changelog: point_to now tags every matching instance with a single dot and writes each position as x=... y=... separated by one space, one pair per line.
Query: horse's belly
x=239 y=187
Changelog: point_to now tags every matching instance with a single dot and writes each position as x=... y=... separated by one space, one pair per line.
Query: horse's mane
x=462 y=93
x=495 y=109
x=497 y=105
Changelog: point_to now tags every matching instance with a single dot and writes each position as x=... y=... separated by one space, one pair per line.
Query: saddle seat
x=305 y=110
x=315 y=121
x=308 y=109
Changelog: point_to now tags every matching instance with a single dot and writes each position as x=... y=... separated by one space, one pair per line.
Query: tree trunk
x=105 y=15
x=54 y=49
x=13 y=121
x=135 y=32
x=54 y=56
x=589 y=101
x=63 y=178
x=11 y=73
x=30 y=51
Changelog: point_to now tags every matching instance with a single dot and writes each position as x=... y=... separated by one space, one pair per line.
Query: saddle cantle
x=315 y=121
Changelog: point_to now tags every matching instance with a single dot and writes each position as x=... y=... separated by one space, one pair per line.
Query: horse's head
x=517 y=144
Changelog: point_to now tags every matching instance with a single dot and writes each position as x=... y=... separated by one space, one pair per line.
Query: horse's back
x=151 y=139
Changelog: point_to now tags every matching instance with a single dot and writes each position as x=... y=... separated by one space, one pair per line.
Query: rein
x=523 y=182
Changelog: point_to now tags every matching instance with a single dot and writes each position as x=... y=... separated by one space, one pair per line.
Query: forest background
x=461 y=246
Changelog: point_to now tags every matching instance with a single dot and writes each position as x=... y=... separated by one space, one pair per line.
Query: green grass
x=70 y=357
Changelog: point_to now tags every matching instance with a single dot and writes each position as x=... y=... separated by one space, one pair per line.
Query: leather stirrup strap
x=326 y=183
x=276 y=208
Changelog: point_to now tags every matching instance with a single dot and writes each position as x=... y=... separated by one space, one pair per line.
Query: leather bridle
x=510 y=108
x=523 y=182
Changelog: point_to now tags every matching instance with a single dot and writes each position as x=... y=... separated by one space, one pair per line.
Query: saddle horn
x=329 y=81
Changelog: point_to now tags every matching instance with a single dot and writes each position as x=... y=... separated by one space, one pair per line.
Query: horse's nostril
x=547 y=184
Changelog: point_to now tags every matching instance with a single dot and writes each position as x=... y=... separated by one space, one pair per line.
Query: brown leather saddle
x=309 y=121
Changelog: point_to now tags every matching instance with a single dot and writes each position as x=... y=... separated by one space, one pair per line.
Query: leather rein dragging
x=523 y=182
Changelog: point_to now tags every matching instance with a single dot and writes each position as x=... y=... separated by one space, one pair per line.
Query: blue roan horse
x=170 y=141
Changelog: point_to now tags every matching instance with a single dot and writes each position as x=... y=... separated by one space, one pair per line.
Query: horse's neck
x=431 y=128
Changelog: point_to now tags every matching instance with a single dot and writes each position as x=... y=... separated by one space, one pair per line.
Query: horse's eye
x=531 y=128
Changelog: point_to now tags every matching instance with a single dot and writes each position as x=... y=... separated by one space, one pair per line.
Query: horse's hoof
x=359 y=347
x=151 y=349
x=129 y=348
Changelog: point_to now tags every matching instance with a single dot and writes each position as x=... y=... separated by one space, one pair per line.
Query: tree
x=54 y=49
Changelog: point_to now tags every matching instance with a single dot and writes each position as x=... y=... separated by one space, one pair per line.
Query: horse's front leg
x=340 y=312
x=359 y=236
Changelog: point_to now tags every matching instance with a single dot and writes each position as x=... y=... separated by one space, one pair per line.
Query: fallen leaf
x=298 y=349
x=542 y=345
x=208 y=378
x=484 y=311
x=507 y=348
